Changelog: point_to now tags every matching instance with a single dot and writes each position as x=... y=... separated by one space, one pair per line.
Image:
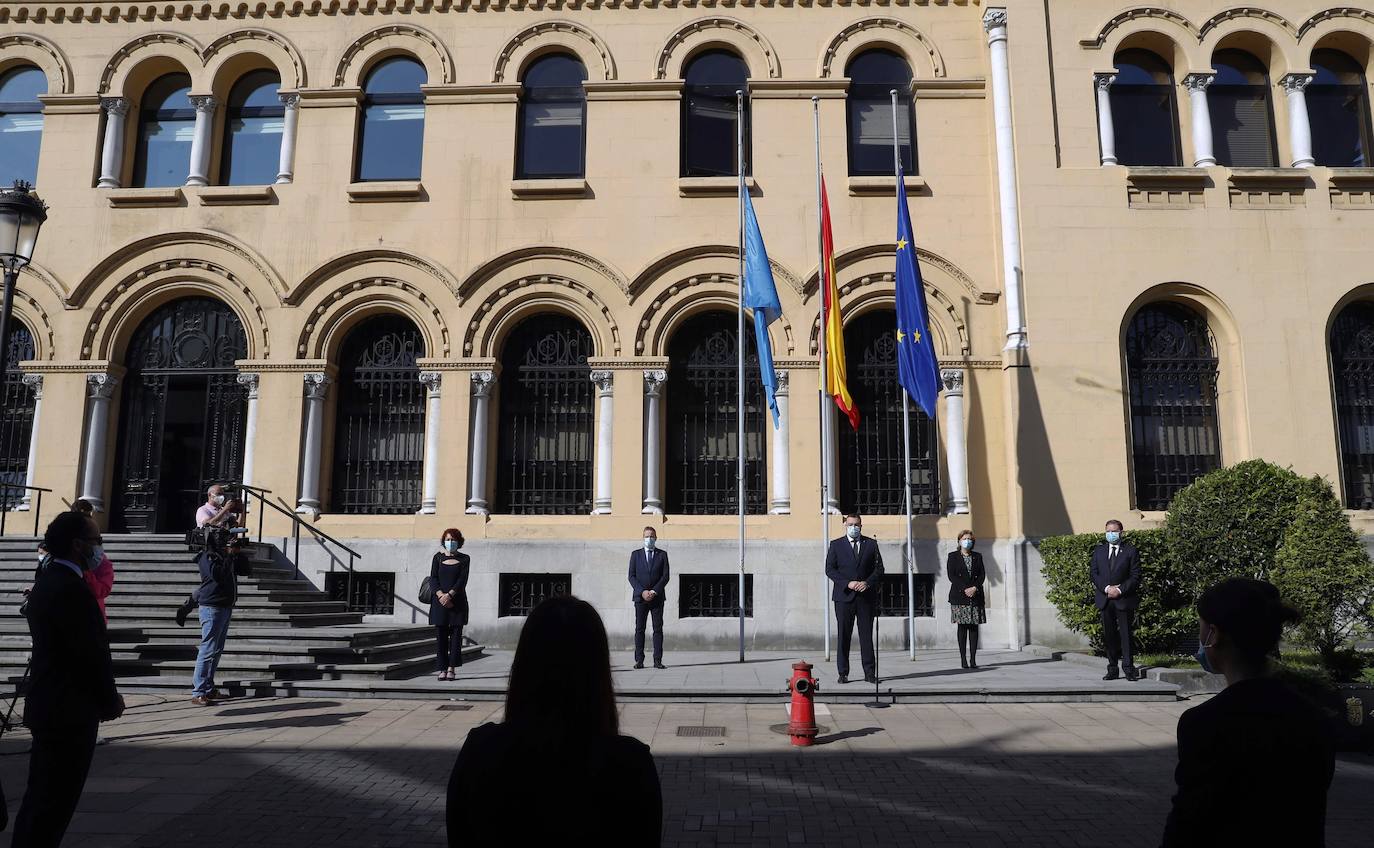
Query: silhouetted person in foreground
x=1254 y=761
x=556 y=771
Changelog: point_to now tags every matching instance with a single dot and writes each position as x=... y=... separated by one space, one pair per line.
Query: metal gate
x=16 y=425
x=1352 y=366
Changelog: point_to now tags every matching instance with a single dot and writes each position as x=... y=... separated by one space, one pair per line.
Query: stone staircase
x=283 y=629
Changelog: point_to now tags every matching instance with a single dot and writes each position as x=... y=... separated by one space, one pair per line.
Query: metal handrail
x=296 y=524
x=37 y=507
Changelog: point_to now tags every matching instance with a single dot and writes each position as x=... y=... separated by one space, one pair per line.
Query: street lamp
x=21 y=215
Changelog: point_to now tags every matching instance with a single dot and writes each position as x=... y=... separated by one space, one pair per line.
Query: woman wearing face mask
x=1255 y=761
x=448 y=610
x=964 y=567
x=100 y=579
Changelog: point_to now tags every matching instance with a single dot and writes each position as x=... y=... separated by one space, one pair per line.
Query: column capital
x=482 y=382
x=783 y=378
x=1198 y=82
x=249 y=380
x=995 y=19
x=1295 y=83
x=34 y=382
x=432 y=380
x=604 y=381
x=115 y=105
x=654 y=379
x=316 y=384
x=101 y=386
x=291 y=99
x=953 y=380
x=1103 y=80
x=204 y=102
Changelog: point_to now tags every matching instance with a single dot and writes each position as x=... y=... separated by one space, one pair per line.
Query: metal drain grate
x=700 y=730
x=453 y=708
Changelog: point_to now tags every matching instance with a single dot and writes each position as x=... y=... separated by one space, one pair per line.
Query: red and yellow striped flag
x=835 y=385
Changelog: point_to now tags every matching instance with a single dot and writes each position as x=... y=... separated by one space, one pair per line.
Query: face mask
x=852 y=531
x=451 y=545
x=966 y=544
x=219 y=500
x=1113 y=537
x=1201 y=655
x=94 y=557
x=650 y=543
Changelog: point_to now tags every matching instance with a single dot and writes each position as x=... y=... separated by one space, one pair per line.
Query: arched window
x=553 y=118
x=379 y=425
x=166 y=125
x=253 y=124
x=1144 y=110
x=391 y=136
x=703 y=427
x=1242 y=112
x=16 y=425
x=709 y=127
x=1352 y=367
x=544 y=446
x=868 y=111
x=1171 y=373
x=870 y=461
x=21 y=123
x=1338 y=107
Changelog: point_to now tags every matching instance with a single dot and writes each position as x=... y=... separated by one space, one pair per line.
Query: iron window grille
x=374 y=592
x=1144 y=110
x=16 y=425
x=714 y=596
x=1352 y=366
x=545 y=442
x=703 y=428
x=521 y=593
x=870 y=460
x=1172 y=380
x=892 y=595
x=379 y=431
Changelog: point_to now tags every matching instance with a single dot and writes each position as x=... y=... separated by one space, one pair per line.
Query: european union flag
x=918 y=369
x=761 y=295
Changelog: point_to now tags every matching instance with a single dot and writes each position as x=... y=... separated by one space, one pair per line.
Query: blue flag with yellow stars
x=918 y=368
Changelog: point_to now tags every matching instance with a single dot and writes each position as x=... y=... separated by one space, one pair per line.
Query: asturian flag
x=918 y=368
x=761 y=295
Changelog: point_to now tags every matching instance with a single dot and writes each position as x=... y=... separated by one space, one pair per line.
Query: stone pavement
x=298 y=773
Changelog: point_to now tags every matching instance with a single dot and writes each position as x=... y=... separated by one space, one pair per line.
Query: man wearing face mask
x=855 y=565
x=217 y=509
x=1116 y=578
x=649 y=579
x=216 y=596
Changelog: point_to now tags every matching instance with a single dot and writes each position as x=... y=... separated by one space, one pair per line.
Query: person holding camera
x=220 y=563
x=448 y=608
x=218 y=510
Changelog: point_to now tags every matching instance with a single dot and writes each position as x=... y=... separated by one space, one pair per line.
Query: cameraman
x=220 y=563
x=218 y=510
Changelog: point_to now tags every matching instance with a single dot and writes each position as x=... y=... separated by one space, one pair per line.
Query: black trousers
x=1116 y=635
x=58 y=764
x=847 y=614
x=448 y=647
x=642 y=613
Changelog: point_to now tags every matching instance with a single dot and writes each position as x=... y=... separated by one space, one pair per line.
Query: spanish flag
x=835 y=385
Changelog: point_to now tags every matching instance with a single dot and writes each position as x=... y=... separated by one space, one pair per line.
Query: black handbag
x=427 y=590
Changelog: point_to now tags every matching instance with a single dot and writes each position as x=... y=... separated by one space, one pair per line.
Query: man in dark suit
x=855 y=566
x=71 y=682
x=649 y=579
x=1116 y=579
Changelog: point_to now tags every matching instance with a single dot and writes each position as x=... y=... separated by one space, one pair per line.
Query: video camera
x=213 y=538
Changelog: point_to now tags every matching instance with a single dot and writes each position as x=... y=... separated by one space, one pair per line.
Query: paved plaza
x=302 y=772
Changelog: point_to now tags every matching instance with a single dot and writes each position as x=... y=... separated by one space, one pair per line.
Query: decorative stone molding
x=249 y=381
x=572 y=36
x=1354 y=12
x=1352 y=188
x=717 y=29
x=1199 y=82
x=115 y=106
x=1103 y=81
x=1269 y=188
x=431 y=52
x=204 y=103
x=783 y=377
x=101 y=386
x=290 y=99
x=179 y=48
x=194 y=241
x=664 y=265
x=34 y=383
x=994 y=18
x=953 y=380
x=292 y=71
x=433 y=381
x=482 y=383
x=852 y=256
x=661 y=316
x=27 y=308
x=852 y=297
x=345 y=262
x=1166 y=188
x=385 y=294
x=654 y=380
x=1144 y=12
x=492 y=267
x=45 y=54
x=316 y=385
x=1295 y=83
x=541 y=292
x=1251 y=12
x=879 y=30
x=604 y=380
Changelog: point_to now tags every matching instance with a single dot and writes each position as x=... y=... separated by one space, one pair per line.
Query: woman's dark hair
x=63 y=532
x=1250 y=613
x=454 y=532
x=560 y=680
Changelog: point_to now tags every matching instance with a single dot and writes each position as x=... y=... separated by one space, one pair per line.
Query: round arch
x=507 y=305
x=119 y=316
x=543 y=259
x=21 y=48
x=29 y=312
x=691 y=296
x=551 y=37
x=862 y=294
x=1152 y=24
x=187 y=247
x=1272 y=40
x=400 y=264
x=881 y=32
x=342 y=307
x=147 y=57
x=391 y=40
x=232 y=55
x=717 y=32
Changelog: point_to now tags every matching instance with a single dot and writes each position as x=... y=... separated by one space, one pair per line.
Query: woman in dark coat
x=448 y=609
x=966 y=575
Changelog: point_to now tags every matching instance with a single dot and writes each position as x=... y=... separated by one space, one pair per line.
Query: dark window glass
x=16 y=425
x=1242 y=112
x=253 y=124
x=714 y=596
x=379 y=429
x=392 y=133
x=21 y=123
x=870 y=460
x=703 y=425
x=166 y=125
x=1144 y=110
x=553 y=117
x=709 y=115
x=1338 y=107
x=868 y=112
x=1352 y=366
x=544 y=443
x=1171 y=374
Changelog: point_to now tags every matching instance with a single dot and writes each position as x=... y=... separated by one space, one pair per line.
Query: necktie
x=856 y=550
x=1113 y=556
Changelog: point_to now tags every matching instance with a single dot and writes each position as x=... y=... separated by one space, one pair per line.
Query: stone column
x=995 y=23
x=201 y=143
x=34 y=382
x=1106 y=128
x=1299 y=127
x=430 y=497
x=100 y=389
x=112 y=148
x=249 y=381
x=782 y=453
x=316 y=390
x=653 y=441
x=1197 y=84
x=605 y=416
x=287 y=157
x=956 y=447
x=482 y=383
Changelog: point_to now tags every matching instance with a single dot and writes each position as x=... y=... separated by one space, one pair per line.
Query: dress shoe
x=844 y=678
x=963 y=663
x=870 y=678
x=972 y=664
x=1132 y=674
x=1111 y=674
x=659 y=665
x=639 y=665
x=202 y=701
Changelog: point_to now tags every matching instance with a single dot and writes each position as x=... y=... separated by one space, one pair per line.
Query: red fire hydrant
x=802 y=724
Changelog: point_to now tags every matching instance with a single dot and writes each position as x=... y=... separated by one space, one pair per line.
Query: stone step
x=291 y=651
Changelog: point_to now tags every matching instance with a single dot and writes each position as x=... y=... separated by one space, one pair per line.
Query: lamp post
x=21 y=215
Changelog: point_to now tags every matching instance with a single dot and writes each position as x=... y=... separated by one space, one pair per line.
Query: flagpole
x=906 y=433
x=739 y=345
x=822 y=386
